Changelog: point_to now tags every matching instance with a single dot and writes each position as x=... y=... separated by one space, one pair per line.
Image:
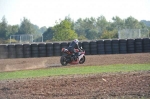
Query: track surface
x=94 y=86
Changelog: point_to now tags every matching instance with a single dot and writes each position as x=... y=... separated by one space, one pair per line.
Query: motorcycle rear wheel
x=63 y=61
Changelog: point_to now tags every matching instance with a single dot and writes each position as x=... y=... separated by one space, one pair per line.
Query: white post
x=139 y=33
x=10 y=40
x=20 y=38
x=32 y=38
x=42 y=37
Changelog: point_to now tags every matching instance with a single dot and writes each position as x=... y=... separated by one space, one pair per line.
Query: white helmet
x=76 y=41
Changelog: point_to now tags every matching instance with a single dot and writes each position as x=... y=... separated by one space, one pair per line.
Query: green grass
x=74 y=70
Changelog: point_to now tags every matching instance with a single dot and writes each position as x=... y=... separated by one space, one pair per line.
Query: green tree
x=118 y=23
x=43 y=29
x=3 y=28
x=12 y=30
x=132 y=23
x=48 y=34
x=109 y=34
x=26 y=27
x=63 y=31
x=101 y=24
x=79 y=27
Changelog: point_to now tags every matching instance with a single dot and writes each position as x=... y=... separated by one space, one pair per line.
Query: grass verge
x=74 y=70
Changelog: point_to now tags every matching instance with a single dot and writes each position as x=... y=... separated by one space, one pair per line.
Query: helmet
x=76 y=41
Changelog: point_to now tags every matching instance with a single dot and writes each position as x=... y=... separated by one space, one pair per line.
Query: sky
x=47 y=12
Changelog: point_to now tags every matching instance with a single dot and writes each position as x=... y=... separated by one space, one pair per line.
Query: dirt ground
x=44 y=62
x=130 y=85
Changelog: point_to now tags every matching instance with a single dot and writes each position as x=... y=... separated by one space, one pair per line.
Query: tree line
x=68 y=29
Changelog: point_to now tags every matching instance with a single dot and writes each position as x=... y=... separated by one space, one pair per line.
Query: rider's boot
x=76 y=56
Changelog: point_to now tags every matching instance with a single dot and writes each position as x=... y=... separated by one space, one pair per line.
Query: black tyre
x=49 y=49
x=108 y=48
x=42 y=50
x=11 y=51
x=122 y=46
x=93 y=47
x=100 y=47
x=19 y=51
x=138 y=45
x=27 y=50
x=130 y=45
x=34 y=50
x=63 y=61
x=3 y=51
x=115 y=46
x=86 y=47
x=57 y=49
x=146 y=45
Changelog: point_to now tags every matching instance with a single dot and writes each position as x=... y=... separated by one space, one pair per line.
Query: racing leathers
x=72 y=48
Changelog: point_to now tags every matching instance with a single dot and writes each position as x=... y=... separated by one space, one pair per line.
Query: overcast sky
x=46 y=12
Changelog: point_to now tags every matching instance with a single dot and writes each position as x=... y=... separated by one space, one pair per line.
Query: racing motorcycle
x=68 y=57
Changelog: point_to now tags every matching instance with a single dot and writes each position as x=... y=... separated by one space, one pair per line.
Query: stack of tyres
x=57 y=49
x=69 y=43
x=42 y=49
x=3 y=51
x=27 y=50
x=49 y=49
x=130 y=46
x=138 y=45
x=108 y=47
x=93 y=47
x=115 y=46
x=64 y=45
x=86 y=47
x=11 y=51
x=80 y=44
x=19 y=51
x=122 y=46
x=146 y=45
x=100 y=47
x=34 y=50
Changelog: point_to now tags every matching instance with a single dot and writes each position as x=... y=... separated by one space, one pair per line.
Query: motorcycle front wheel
x=63 y=61
x=82 y=60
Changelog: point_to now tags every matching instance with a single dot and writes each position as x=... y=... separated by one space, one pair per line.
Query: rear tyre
x=82 y=60
x=63 y=61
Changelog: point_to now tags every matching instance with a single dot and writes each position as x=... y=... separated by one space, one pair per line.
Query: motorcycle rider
x=74 y=45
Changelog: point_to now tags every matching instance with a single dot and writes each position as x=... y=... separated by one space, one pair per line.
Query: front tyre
x=82 y=60
x=63 y=61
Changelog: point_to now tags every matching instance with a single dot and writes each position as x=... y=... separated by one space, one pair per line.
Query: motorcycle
x=69 y=58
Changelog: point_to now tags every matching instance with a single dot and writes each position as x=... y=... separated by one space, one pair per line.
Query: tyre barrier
x=27 y=50
x=93 y=48
x=57 y=49
x=138 y=45
x=3 y=51
x=115 y=46
x=108 y=46
x=130 y=46
x=121 y=46
x=146 y=45
x=19 y=51
x=11 y=51
x=63 y=45
x=34 y=50
x=42 y=49
x=49 y=49
x=100 y=47
x=86 y=47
